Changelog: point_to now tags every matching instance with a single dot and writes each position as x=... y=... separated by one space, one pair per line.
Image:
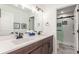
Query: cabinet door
x=35 y=48
x=37 y=51
x=45 y=48
x=47 y=45
x=51 y=45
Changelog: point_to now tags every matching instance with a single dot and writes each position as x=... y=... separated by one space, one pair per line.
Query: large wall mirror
x=15 y=19
x=18 y=19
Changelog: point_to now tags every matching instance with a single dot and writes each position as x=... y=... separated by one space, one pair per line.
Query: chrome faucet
x=19 y=35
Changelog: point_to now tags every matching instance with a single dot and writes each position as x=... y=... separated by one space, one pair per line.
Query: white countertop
x=9 y=44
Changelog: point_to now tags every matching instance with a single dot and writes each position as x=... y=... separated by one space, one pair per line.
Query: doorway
x=65 y=30
x=31 y=23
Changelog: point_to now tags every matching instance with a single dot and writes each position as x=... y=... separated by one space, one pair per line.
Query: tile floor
x=65 y=49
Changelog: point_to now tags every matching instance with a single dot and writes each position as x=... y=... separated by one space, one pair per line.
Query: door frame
x=75 y=23
x=76 y=28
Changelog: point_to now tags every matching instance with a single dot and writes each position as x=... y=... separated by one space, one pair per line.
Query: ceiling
x=48 y=6
x=66 y=9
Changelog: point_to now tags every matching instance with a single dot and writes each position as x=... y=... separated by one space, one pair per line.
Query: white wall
x=51 y=28
x=49 y=15
x=39 y=21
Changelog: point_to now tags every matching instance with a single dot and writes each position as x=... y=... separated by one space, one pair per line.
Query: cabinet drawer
x=34 y=46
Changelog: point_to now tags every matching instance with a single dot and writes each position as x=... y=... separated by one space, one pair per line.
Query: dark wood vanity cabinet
x=47 y=45
x=51 y=45
x=44 y=46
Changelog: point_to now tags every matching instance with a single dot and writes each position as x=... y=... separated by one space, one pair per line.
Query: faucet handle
x=16 y=32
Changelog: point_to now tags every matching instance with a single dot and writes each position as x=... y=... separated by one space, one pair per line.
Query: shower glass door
x=60 y=33
x=68 y=29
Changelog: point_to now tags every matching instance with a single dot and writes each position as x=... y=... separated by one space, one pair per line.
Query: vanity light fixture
x=62 y=12
x=39 y=9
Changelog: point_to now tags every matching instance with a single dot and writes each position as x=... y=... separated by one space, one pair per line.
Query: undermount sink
x=20 y=41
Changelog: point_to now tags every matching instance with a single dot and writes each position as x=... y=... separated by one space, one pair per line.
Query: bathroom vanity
x=21 y=32
x=43 y=46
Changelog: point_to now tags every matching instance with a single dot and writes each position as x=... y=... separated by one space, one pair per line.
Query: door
x=45 y=46
x=68 y=30
x=45 y=49
x=60 y=33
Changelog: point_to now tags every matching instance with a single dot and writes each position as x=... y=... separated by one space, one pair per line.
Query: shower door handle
x=59 y=30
